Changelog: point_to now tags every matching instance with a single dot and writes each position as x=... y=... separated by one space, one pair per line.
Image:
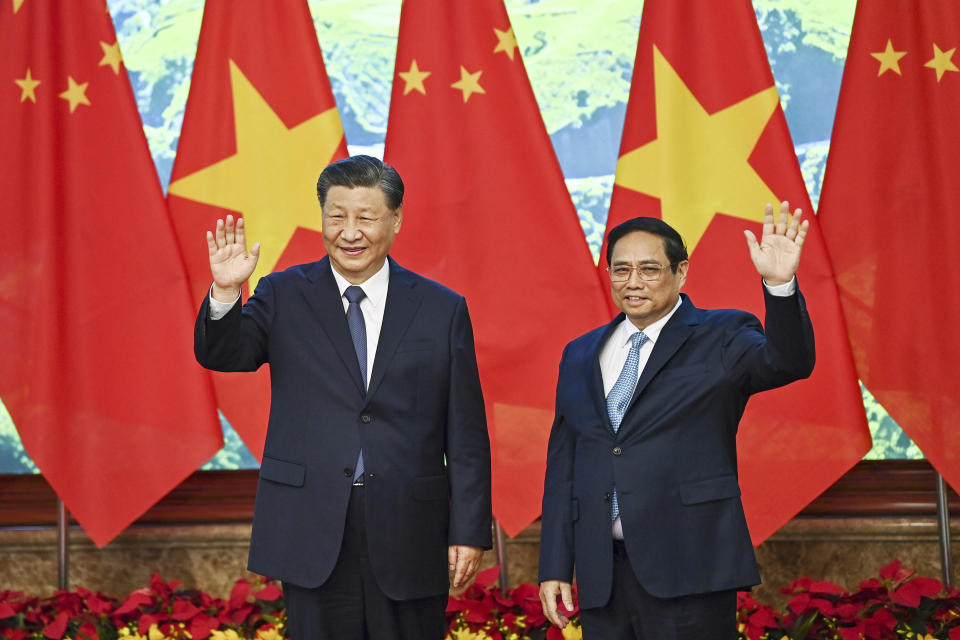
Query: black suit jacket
x=674 y=459
x=423 y=404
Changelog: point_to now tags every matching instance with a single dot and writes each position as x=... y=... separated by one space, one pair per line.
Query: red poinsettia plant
x=896 y=604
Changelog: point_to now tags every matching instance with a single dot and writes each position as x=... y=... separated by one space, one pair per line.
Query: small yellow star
x=941 y=61
x=75 y=93
x=17 y=4
x=889 y=59
x=111 y=56
x=506 y=41
x=414 y=79
x=27 y=84
x=469 y=83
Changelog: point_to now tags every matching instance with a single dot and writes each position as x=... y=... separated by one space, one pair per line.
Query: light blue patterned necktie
x=619 y=398
x=358 y=331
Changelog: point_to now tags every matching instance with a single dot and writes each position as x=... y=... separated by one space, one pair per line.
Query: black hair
x=362 y=171
x=673 y=244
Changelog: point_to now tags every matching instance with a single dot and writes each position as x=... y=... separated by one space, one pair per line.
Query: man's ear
x=397 y=219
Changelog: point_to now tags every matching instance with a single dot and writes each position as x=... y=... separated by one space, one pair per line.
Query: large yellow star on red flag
x=698 y=165
x=271 y=179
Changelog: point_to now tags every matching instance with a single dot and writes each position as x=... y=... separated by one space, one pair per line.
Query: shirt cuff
x=219 y=309
x=783 y=290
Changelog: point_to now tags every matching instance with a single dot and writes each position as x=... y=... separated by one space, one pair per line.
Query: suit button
x=617 y=451
x=348 y=472
x=371 y=476
x=366 y=418
x=606 y=497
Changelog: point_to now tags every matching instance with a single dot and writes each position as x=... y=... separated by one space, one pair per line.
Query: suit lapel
x=674 y=334
x=323 y=297
x=401 y=306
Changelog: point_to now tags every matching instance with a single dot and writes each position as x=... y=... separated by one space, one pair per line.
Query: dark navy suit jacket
x=423 y=404
x=674 y=459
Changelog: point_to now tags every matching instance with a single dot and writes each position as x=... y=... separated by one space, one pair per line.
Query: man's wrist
x=227 y=295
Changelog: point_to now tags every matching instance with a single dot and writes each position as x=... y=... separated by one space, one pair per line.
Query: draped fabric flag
x=260 y=125
x=95 y=317
x=890 y=211
x=705 y=147
x=487 y=213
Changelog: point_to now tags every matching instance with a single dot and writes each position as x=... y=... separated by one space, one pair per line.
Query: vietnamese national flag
x=487 y=213
x=97 y=368
x=260 y=125
x=890 y=212
x=705 y=147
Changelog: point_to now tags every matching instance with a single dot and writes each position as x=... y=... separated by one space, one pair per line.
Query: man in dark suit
x=641 y=491
x=376 y=470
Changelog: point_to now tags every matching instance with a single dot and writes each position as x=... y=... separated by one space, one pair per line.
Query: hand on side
x=464 y=562
x=230 y=263
x=777 y=255
x=549 y=590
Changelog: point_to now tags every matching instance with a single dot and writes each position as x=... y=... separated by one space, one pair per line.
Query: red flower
x=269 y=593
x=201 y=625
x=58 y=627
x=134 y=601
x=895 y=571
x=184 y=610
x=911 y=591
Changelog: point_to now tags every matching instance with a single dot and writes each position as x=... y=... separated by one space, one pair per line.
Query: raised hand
x=230 y=263
x=777 y=255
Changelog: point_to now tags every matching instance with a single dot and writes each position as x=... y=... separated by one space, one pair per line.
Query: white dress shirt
x=375 y=287
x=613 y=354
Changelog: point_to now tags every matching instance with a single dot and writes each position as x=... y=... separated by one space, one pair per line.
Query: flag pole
x=63 y=532
x=501 y=549
x=943 y=516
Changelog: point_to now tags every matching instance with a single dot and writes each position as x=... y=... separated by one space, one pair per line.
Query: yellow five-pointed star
x=17 y=4
x=941 y=61
x=889 y=59
x=271 y=179
x=414 y=79
x=506 y=41
x=111 y=56
x=27 y=85
x=469 y=83
x=699 y=165
x=75 y=93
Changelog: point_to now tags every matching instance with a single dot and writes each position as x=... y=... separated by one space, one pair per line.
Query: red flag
x=890 y=210
x=705 y=146
x=97 y=369
x=260 y=125
x=487 y=213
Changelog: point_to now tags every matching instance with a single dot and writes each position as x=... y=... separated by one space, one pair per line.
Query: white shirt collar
x=626 y=328
x=375 y=287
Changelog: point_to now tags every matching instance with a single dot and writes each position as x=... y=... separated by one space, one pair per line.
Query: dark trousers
x=350 y=605
x=634 y=614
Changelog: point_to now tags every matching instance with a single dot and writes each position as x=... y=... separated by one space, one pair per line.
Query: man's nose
x=351 y=230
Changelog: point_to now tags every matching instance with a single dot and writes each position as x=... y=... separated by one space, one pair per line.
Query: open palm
x=777 y=255
x=230 y=263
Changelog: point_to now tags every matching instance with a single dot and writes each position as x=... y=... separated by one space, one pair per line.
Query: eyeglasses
x=648 y=271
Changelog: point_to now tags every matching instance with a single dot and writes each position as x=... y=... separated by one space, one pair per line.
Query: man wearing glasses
x=641 y=491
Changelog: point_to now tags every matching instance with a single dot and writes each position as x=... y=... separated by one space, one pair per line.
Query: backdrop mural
x=579 y=57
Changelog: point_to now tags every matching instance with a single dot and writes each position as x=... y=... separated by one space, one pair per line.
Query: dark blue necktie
x=358 y=331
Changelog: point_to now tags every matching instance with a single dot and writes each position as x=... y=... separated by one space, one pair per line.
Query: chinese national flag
x=260 y=125
x=487 y=213
x=95 y=317
x=705 y=147
x=890 y=211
